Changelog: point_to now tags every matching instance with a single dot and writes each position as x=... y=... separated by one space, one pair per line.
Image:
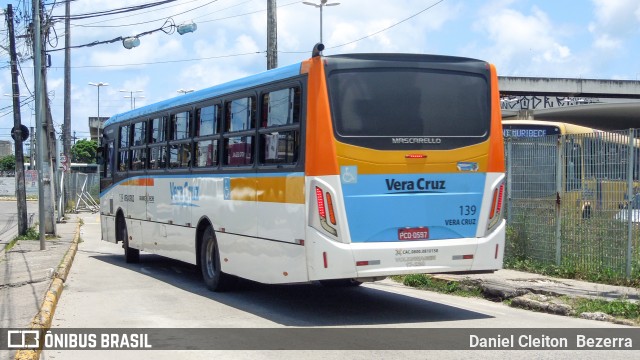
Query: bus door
x=107 y=211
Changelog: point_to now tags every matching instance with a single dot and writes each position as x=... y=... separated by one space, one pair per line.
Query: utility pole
x=66 y=127
x=39 y=93
x=21 y=194
x=272 y=35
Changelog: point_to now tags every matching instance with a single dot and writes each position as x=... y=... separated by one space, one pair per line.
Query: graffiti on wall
x=543 y=102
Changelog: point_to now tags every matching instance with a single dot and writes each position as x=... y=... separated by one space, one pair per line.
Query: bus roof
x=565 y=128
x=208 y=93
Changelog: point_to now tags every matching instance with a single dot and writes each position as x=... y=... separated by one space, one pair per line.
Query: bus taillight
x=496 y=203
x=500 y=194
x=332 y=215
x=493 y=204
x=495 y=212
x=323 y=206
x=320 y=199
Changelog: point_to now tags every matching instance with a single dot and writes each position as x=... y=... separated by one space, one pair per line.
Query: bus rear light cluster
x=325 y=206
x=495 y=213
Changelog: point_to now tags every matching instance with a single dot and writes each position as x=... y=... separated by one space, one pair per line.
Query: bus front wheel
x=212 y=273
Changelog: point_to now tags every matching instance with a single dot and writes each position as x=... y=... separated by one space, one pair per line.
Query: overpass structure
x=601 y=104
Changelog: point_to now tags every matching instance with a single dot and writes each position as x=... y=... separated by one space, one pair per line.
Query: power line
x=249 y=13
x=162 y=62
x=372 y=34
x=389 y=27
x=144 y=22
x=114 y=11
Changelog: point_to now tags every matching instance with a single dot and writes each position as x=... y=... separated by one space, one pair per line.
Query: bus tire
x=214 y=278
x=341 y=283
x=131 y=255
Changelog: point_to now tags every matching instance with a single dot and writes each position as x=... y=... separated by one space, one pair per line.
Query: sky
x=596 y=39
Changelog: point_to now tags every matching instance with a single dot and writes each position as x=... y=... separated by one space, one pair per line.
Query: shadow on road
x=301 y=304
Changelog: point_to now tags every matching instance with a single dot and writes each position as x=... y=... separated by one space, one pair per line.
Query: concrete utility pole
x=21 y=193
x=272 y=35
x=66 y=127
x=41 y=133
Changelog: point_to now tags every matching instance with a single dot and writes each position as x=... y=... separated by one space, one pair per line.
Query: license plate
x=421 y=233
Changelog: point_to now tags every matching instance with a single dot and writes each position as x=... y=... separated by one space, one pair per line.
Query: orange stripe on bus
x=321 y=148
x=289 y=190
x=139 y=182
x=496 y=147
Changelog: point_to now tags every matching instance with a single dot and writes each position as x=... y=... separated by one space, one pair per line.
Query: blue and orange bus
x=339 y=169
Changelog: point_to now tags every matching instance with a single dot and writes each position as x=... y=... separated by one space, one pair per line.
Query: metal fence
x=573 y=201
x=84 y=190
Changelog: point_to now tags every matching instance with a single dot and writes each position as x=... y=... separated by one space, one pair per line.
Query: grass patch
x=428 y=282
x=33 y=234
x=567 y=271
x=10 y=245
x=619 y=308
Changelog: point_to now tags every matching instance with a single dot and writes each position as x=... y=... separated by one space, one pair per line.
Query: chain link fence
x=81 y=186
x=573 y=201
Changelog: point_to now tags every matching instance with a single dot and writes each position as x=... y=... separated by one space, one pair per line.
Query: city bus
x=339 y=169
x=590 y=165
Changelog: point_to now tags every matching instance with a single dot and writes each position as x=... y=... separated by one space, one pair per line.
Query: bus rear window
x=408 y=102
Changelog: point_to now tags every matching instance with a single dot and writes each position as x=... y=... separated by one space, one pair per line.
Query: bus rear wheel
x=214 y=278
x=131 y=255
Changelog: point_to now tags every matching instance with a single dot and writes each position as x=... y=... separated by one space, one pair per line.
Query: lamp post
x=322 y=4
x=183 y=91
x=98 y=85
x=133 y=101
x=133 y=98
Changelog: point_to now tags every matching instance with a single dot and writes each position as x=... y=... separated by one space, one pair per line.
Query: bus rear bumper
x=436 y=256
x=377 y=260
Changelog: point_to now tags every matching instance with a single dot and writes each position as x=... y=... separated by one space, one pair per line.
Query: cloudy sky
x=549 y=38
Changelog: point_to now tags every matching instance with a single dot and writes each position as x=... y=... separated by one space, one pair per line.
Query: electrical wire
x=162 y=62
x=144 y=22
x=113 y=11
x=372 y=34
x=249 y=13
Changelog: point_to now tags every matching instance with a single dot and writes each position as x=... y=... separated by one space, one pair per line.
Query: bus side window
x=108 y=160
x=280 y=127
x=123 y=149
x=157 y=150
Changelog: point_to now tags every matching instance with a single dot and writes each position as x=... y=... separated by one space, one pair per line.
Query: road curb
x=42 y=320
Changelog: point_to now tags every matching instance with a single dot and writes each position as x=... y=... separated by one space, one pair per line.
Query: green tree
x=84 y=151
x=8 y=163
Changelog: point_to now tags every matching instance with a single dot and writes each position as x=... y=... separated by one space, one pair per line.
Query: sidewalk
x=26 y=273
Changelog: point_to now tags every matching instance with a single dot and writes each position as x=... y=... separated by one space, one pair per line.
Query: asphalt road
x=102 y=291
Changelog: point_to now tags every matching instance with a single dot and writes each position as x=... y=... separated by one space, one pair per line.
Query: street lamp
x=183 y=91
x=98 y=85
x=133 y=98
x=322 y=4
x=133 y=101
